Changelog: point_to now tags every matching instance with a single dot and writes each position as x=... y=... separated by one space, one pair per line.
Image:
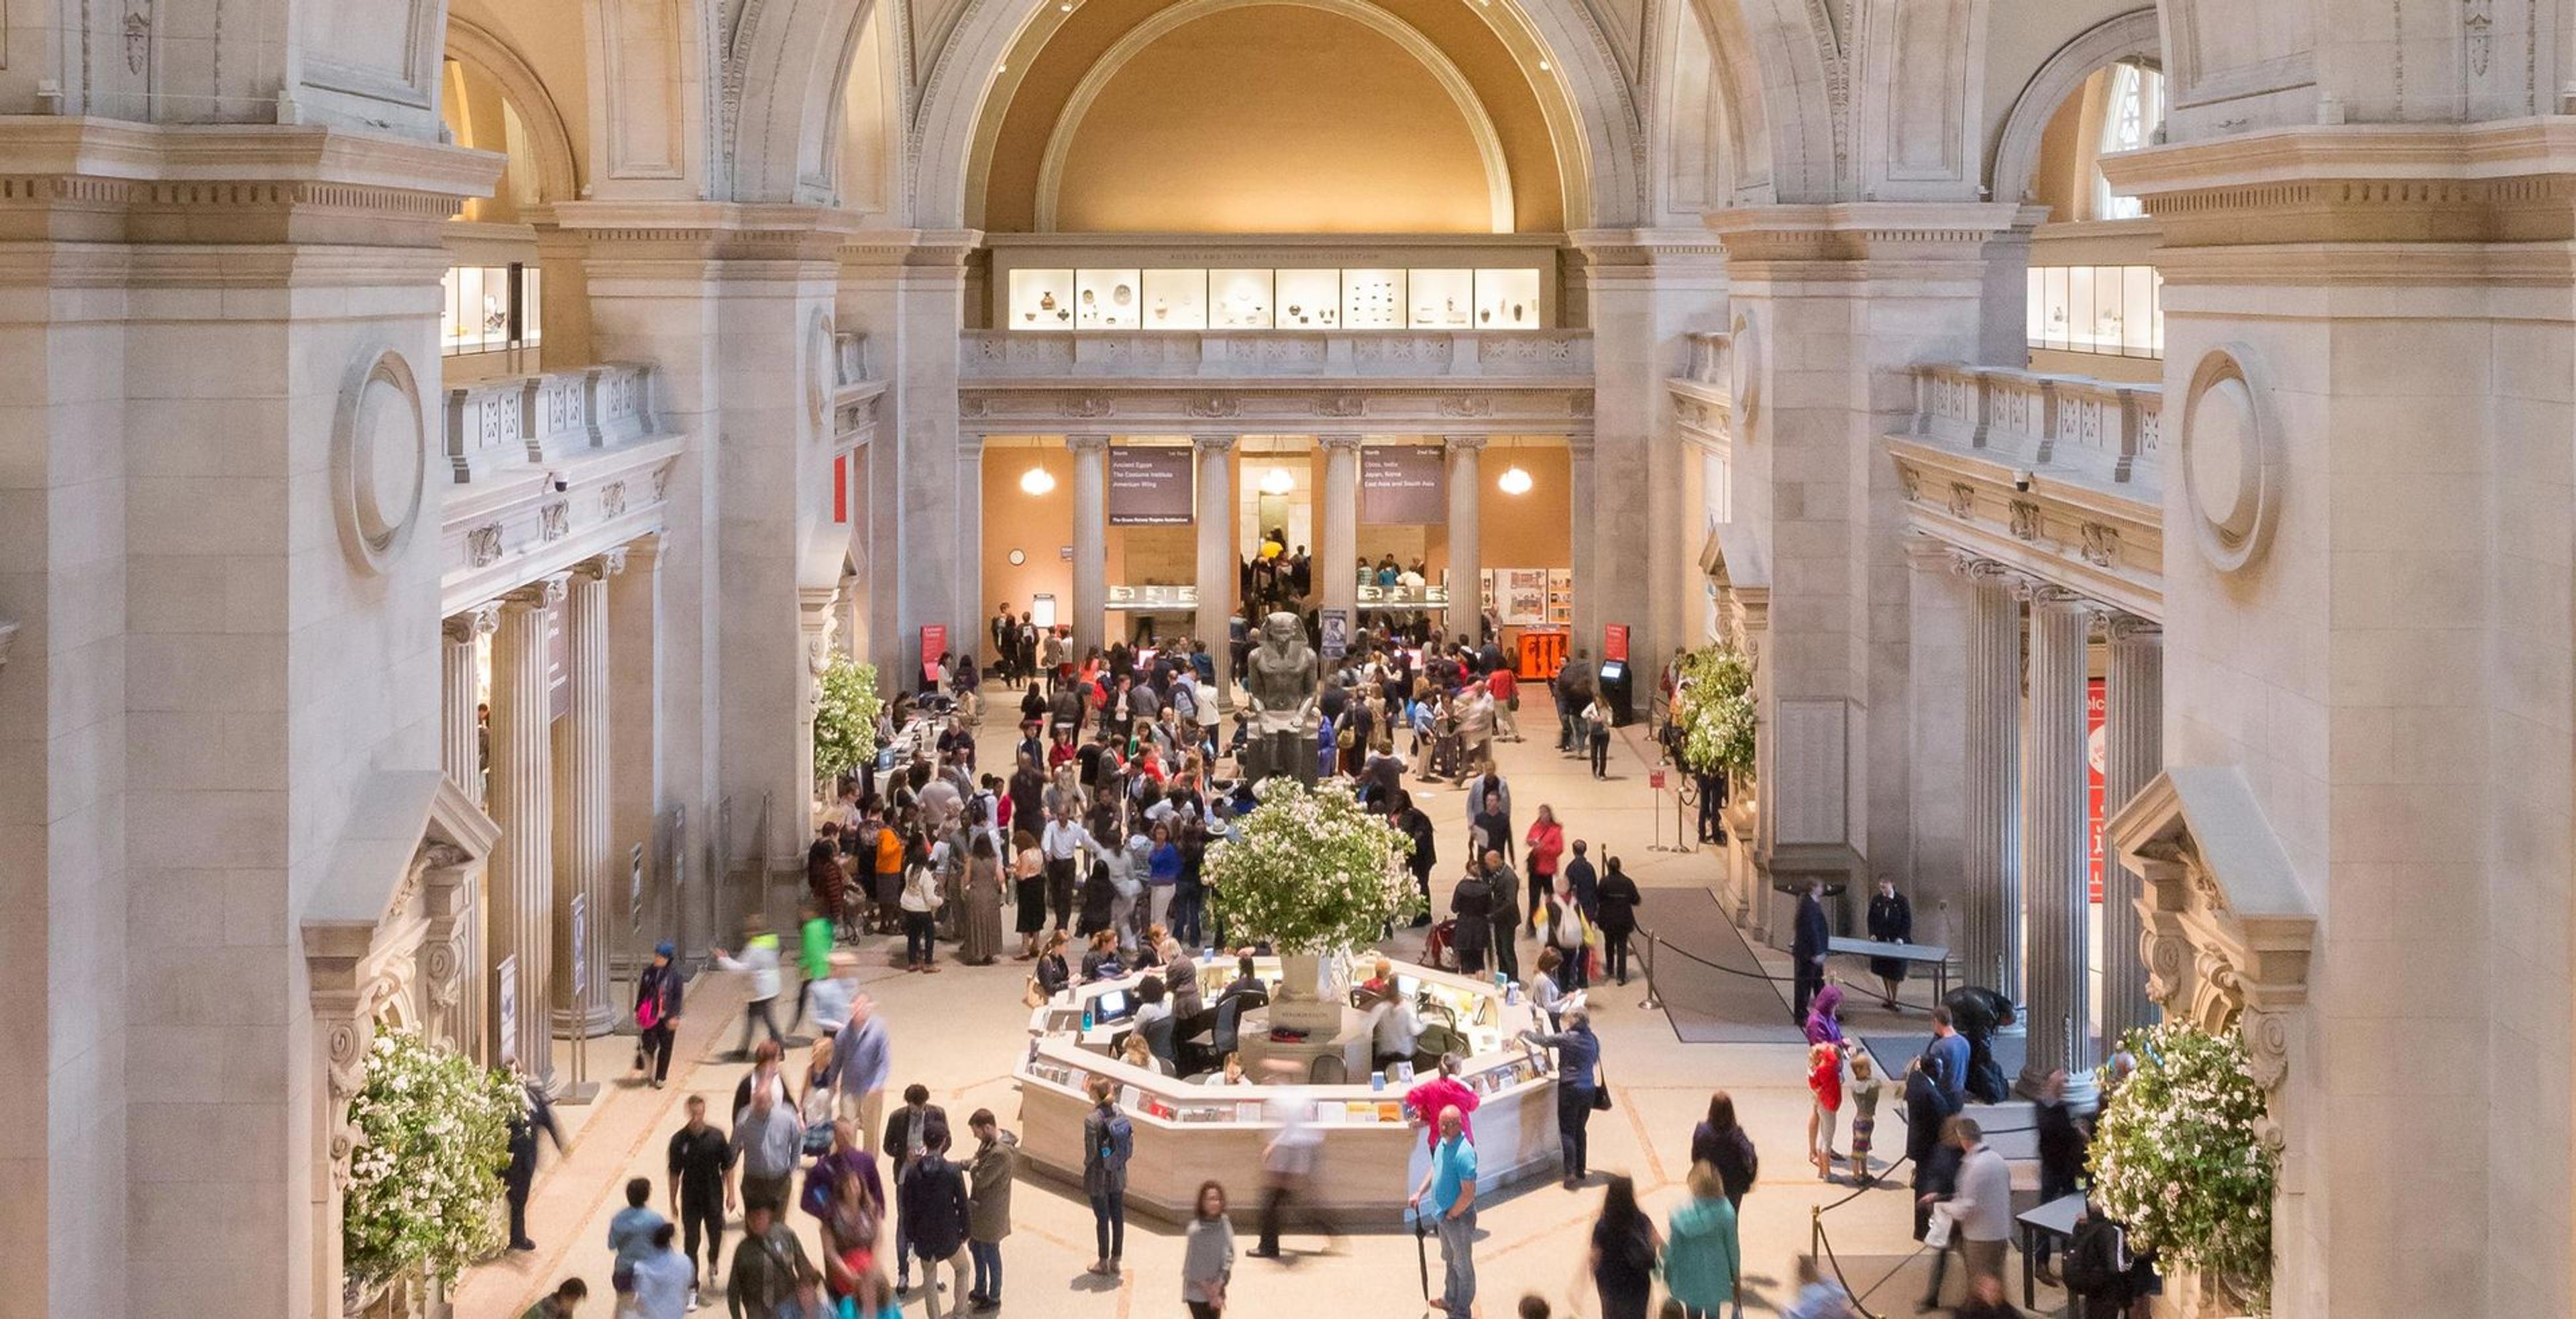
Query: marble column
x=1337 y=544
x=2133 y=754
x=1990 y=951
x=2056 y=868
x=460 y=724
x=1090 y=540
x=1466 y=548
x=1941 y=606
x=582 y=804
x=636 y=780
x=522 y=803
x=1584 y=563
x=1216 y=497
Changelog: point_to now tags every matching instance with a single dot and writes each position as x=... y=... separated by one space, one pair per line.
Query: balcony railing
x=2111 y=429
x=1712 y=359
x=992 y=356
x=543 y=418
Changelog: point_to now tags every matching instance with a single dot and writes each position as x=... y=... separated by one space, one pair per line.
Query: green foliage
x=845 y=719
x=1713 y=704
x=2180 y=1158
x=433 y=1132
x=1312 y=873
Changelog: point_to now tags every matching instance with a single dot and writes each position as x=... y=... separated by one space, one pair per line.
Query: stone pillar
x=1942 y=607
x=1215 y=454
x=1990 y=951
x=522 y=803
x=818 y=613
x=1583 y=562
x=1337 y=544
x=2133 y=754
x=1466 y=549
x=2055 y=866
x=581 y=812
x=1090 y=541
x=635 y=789
x=460 y=724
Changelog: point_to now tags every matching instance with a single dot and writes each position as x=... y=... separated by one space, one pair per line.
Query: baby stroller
x=1439 y=950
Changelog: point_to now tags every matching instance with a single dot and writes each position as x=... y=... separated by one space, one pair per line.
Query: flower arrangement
x=1714 y=708
x=433 y=1131
x=2179 y=1158
x=845 y=719
x=1312 y=872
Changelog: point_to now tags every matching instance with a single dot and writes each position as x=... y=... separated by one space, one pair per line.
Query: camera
x=560 y=484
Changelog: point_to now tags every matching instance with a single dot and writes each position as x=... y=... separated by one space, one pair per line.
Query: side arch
x=1789 y=80
x=2016 y=159
x=785 y=66
x=558 y=168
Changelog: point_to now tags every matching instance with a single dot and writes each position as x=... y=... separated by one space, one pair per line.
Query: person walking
x=1619 y=900
x=921 y=902
x=2062 y=1147
x=1703 y=1260
x=1288 y=1160
x=862 y=1062
x=1415 y=824
x=767 y=1142
x=1450 y=1185
x=907 y=1141
x=1568 y=932
x=1946 y=1060
x=660 y=1277
x=980 y=932
x=1028 y=888
x=766 y=1267
x=699 y=1156
x=1207 y=1258
x=1064 y=844
x=630 y=1235
x=1624 y=1249
x=561 y=1303
x=1583 y=880
x=814 y=933
x=2100 y=1272
x=1891 y=920
x=519 y=1175
x=1807 y=947
x=1108 y=1138
x=1986 y=1301
x=1936 y=1180
x=1541 y=851
x=1578 y=1087
x=992 y=1170
x=1471 y=908
x=1596 y=737
x=1506 y=915
x=1825 y=1088
x=658 y=990
x=1983 y=1204
x=937 y=1216
x=1721 y=1142
x=759 y=960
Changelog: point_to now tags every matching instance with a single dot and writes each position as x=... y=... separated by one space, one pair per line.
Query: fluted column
x=2056 y=867
x=2133 y=754
x=522 y=888
x=1466 y=548
x=581 y=805
x=639 y=744
x=1990 y=952
x=460 y=724
x=1337 y=545
x=1090 y=540
x=1215 y=454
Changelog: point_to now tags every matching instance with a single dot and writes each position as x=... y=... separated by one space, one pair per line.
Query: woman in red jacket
x=1541 y=847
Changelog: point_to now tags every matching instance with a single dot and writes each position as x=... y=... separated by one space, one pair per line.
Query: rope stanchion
x=1720 y=966
x=1654 y=998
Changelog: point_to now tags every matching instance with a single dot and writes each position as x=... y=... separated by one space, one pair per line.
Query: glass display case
x=475 y=305
x=1373 y=299
x=1041 y=299
x=1442 y=299
x=1507 y=300
x=1239 y=299
x=1308 y=299
x=1176 y=300
x=1106 y=299
x=2117 y=311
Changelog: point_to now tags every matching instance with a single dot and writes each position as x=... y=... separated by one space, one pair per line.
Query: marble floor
x=958 y=1033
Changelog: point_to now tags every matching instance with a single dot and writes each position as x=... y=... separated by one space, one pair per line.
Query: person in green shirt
x=561 y=1302
x=766 y=1266
x=815 y=954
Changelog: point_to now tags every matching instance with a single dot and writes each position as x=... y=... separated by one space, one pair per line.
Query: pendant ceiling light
x=1514 y=481
x=1278 y=482
x=1037 y=480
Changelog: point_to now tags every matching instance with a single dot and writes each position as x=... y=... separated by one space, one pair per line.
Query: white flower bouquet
x=433 y=1133
x=1311 y=872
x=2178 y=1158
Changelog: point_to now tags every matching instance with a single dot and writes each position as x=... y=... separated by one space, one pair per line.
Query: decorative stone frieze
x=1361 y=405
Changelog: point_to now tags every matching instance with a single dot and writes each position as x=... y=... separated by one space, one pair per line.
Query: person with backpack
x=1721 y=1143
x=658 y=989
x=1108 y=1139
x=2100 y=1273
x=1624 y=1247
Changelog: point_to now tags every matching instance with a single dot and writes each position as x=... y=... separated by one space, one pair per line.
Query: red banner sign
x=841 y=489
x=2096 y=707
x=934 y=642
x=1614 y=641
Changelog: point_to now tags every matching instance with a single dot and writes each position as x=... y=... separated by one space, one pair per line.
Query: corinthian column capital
x=461 y=629
x=602 y=566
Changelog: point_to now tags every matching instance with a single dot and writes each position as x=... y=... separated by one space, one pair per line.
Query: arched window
x=2134 y=108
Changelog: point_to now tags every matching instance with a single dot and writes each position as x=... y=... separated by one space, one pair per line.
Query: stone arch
x=559 y=177
x=785 y=65
x=2016 y=157
x=1462 y=94
x=1789 y=85
x=1591 y=108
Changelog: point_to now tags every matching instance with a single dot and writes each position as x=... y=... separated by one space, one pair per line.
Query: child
x=815 y=951
x=1863 y=1090
x=1825 y=1082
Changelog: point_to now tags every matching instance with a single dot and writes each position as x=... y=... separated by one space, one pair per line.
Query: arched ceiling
x=1271 y=118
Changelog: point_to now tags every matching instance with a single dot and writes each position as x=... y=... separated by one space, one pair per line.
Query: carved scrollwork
x=1091 y=405
x=1339 y=405
x=1963 y=500
x=1213 y=406
x=612 y=500
x=483 y=545
x=2168 y=960
x=2025 y=519
x=1466 y=405
x=554 y=521
x=1911 y=483
x=2101 y=544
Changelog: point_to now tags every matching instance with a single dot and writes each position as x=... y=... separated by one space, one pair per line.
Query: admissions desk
x=1372 y=1155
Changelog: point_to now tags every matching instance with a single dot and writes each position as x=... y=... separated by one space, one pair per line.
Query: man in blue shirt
x=1947 y=1059
x=630 y=1234
x=1451 y=1185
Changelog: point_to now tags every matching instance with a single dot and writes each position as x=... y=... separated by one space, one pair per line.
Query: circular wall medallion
x=2231 y=466
x=379 y=459
x=1019 y=557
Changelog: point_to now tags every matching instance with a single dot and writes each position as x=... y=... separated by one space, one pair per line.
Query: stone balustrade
x=849 y=358
x=992 y=356
x=1711 y=357
x=497 y=424
x=2104 y=428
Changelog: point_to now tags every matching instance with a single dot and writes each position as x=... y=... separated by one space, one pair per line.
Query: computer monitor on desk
x=1111 y=1005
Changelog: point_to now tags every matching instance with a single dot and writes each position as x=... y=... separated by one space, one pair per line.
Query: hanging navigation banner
x=1403 y=484
x=1335 y=624
x=1150 y=486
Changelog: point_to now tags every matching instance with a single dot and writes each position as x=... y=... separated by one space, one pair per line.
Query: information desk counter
x=1371 y=1154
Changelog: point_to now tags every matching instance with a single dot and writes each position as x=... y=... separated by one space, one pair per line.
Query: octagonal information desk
x=1372 y=1154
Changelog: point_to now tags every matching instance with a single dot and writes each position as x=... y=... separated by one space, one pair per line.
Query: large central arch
x=1591 y=110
